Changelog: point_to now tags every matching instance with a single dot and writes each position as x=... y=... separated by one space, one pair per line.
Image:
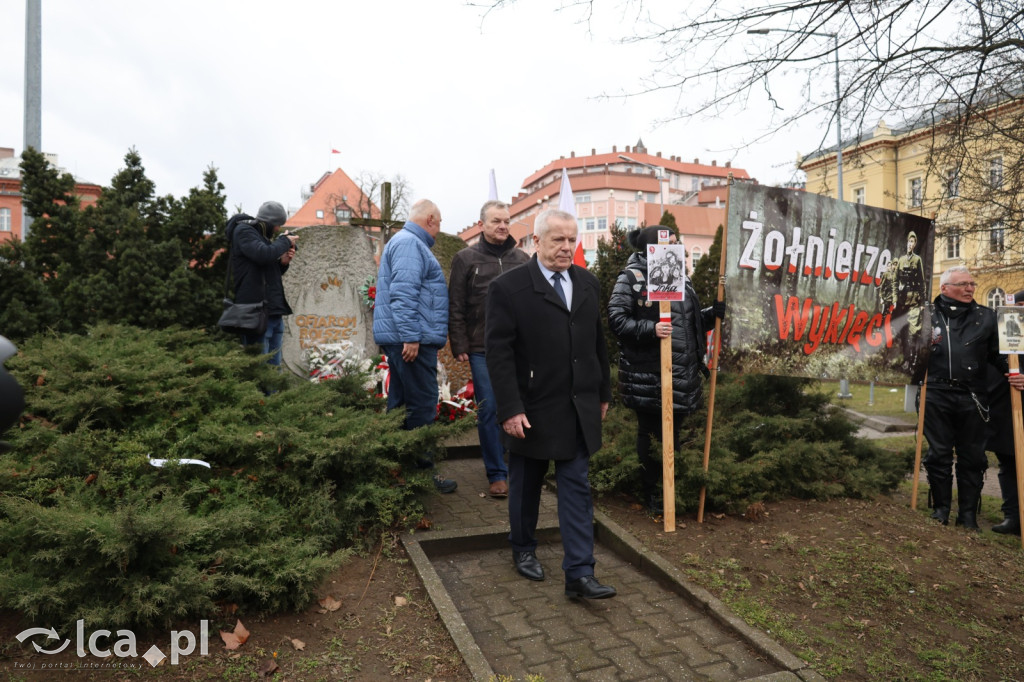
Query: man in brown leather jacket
x=473 y=269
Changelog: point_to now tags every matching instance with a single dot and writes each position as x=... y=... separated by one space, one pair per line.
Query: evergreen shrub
x=773 y=438
x=91 y=530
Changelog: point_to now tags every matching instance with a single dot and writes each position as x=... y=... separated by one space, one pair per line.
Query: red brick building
x=10 y=193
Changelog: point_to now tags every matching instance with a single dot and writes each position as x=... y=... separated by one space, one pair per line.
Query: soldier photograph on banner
x=825 y=289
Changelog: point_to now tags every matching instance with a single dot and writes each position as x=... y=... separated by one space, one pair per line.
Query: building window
x=590 y=224
x=630 y=223
x=581 y=198
x=995 y=173
x=343 y=214
x=694 y=184
x=997 y=238
x=914 y=192
x=953 y=183
x=582 y=224
x=953 y=245
x=696 y=254
x=602 y=224
x=996 y=298
x=858 y=195
x=5 y=220
x=319 y=214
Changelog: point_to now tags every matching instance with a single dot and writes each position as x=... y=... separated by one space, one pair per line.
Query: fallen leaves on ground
x=235 y=639
x=329 y=604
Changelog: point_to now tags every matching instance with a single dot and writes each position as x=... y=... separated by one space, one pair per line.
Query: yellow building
x=935 y=169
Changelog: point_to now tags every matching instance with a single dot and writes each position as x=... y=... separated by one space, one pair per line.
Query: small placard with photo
x=1010 y=322
x=666 y=272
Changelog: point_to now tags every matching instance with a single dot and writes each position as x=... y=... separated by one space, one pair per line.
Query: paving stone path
x=659 y=627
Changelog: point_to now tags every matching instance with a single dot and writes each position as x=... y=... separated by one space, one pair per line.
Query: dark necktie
x=556 y=280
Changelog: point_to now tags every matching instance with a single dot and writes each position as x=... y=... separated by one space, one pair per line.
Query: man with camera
x=258 y=262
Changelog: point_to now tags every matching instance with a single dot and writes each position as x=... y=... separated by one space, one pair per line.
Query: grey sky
x=432 y=90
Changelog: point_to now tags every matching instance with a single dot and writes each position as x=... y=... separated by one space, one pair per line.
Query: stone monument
x=323 y=285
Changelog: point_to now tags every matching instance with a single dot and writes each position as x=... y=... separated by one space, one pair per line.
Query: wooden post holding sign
x=1018 y=442
x=666 y=282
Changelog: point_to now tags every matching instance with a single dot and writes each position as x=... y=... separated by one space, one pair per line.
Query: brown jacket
x=473 y=269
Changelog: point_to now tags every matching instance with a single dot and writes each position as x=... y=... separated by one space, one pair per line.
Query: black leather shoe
x=528 y=565
x=1008 y=526
x=587 y=587
x=968 y=519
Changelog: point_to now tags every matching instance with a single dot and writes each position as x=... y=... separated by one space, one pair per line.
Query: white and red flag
x=567 y=203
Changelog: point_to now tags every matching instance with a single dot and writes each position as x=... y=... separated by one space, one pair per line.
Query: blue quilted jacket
x=412 y=296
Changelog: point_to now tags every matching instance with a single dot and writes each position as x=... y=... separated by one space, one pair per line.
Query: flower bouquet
x=369 y=292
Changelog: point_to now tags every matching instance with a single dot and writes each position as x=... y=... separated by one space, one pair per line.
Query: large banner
x=824 y=288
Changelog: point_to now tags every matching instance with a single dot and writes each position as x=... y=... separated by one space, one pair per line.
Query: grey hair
x=422 y=209
x=493 y=203
x=948 y=274
x=540 y=226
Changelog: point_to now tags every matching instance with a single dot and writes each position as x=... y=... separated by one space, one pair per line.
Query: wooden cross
x=385 y=223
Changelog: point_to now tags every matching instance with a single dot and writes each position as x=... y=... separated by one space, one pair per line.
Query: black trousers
x=575 y=507
x=954 y=424
x=648 y=432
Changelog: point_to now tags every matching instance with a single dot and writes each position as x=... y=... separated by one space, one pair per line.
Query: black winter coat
x=255 y=259
x=632 y=321
x=547 y=362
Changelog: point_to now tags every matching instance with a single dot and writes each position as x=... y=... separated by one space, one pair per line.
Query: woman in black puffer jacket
x=634 y=321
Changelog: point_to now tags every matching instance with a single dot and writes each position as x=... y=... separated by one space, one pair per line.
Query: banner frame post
x=716 y=347
x=916 y=478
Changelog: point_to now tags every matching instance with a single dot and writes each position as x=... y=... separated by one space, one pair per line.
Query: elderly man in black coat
x=548 y=364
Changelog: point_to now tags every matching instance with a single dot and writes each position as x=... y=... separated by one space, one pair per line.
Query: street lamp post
x=839 y=130
x=658 y=174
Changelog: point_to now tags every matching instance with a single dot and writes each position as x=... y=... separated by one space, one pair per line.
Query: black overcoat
x=547 y=362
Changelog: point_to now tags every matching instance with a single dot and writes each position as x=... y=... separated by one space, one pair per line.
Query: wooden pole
x=1018 y=442
x=920 y=437
x=714 y=356
x=668 y=448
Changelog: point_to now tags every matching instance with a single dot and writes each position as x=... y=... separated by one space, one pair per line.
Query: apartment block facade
x=630 y=187
x=909 y=169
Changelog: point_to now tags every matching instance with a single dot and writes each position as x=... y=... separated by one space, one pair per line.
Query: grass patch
x=887 y=402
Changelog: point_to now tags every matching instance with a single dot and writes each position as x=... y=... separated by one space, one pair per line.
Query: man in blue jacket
x=410 y=320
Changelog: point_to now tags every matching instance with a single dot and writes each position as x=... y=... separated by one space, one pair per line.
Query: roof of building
x=713 y=195
x=637 y=155
x=518 y=229
x=702 y=220
x=331 y=191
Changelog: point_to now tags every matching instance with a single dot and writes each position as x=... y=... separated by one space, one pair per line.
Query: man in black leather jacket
x=964 y=339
